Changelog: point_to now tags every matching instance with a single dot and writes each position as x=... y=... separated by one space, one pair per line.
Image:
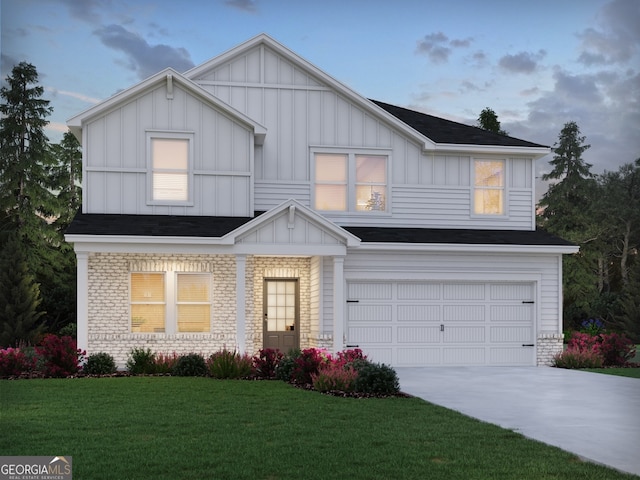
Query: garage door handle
x=528 y=345
x=353 y=301
x=525 y=301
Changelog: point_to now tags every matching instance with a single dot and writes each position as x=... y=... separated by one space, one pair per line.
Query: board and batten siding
x=116 y=157
x=301 y=112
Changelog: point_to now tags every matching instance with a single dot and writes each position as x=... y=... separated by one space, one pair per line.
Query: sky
x=537 y=63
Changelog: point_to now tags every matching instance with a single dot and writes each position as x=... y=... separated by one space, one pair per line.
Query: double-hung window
x=350 y=182
x=170 y=159
x=170 y=302
x=488 y=187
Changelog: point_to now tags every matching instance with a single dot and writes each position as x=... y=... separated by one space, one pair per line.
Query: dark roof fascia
x=443 y=131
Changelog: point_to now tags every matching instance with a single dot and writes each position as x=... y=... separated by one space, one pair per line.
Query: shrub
x=376 y=378
x=583 y=342
x=60 y=356
x=266 y=362
x=334 y=377
x=616 y=350
x=15 y=362
x=100 y=364
x=70 y=329
x=141 y=361
x=348 y=357
x=575 y=358
x=284 y=370
x=165 y=363
x=191 y=365
x=307 y=364
x=228 y=364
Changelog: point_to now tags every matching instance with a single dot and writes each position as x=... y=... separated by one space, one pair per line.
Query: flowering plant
x=334 y=377
x=308 y=363
x=592 y=326
x=14 y=362
x=266 y=362
x=60 y=356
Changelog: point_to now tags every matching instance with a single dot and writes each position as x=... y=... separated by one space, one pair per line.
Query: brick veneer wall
x=109 y=324
x=549 y=345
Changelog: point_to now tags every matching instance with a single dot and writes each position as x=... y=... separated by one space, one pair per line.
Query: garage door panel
x=370 y=313
x=511 y=334
x=418 y=334
x=463 y=356
x=419 y=356
x=370 y=334
x=380 y=355
x=419 y=313
x=464 y=334
x=510 y=313
x=463 y=291
x=511 y=291
x=419 y=291
x=463 y=313
x=370 y=291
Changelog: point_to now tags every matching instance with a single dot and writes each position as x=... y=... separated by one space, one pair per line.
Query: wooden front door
x=281 y=311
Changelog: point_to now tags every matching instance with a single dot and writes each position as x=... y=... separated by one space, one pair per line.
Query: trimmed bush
x=375 y=378
x=15 y=362
x=191 y=365
x=575 y=358
x=266 y=362
x=100 y=364
x=284 y=370
x=59 y=356
x=227 y=364
x=141 y=361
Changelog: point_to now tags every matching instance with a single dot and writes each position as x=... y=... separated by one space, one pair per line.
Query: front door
x=281 y=312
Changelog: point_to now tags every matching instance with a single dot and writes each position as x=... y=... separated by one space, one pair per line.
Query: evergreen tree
x=67 y=175
x=19 y=297
x=488 y=120
x=25 y=193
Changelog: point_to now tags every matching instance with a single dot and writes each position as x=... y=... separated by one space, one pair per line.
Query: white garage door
x=442 y=323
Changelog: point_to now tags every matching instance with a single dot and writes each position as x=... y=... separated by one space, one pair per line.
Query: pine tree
x=25 y=193
x=67 y=175
x=488 y=120
x=19 y=297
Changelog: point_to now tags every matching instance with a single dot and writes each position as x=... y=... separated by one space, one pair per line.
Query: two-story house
x=255 y=201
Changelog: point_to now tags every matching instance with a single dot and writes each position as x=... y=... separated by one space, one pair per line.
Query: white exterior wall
x=300 y=113
x=115 y=156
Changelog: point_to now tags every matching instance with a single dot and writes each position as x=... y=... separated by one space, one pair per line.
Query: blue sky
x=538 y=64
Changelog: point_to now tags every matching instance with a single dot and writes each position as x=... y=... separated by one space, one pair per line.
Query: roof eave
x=535 y=152
x=469 y=248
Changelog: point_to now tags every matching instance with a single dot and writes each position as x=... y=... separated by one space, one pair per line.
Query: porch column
x=338 y=304
x=82 y=299
x=241 y=265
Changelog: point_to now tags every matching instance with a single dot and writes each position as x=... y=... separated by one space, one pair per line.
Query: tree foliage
x=488 y=120
x=39 y=194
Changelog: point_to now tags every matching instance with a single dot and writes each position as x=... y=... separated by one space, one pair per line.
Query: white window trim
x=351 y=154
x=165 y=134
x=505 y=189
x=171 y=306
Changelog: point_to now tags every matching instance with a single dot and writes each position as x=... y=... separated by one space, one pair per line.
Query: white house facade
x=256 y=202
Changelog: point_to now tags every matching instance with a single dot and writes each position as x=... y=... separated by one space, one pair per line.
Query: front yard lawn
x=622 y=372
x=183 y=428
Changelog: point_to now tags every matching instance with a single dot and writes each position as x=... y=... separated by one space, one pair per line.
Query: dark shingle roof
x=153 y=225
x=459 y=236
x=193 y=226
x=445 y=131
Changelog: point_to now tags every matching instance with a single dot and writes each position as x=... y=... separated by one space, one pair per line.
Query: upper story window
x=350 y=182
x=170 y=160
x=488 y=187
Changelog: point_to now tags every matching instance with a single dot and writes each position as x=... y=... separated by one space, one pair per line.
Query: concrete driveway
x=595 y=416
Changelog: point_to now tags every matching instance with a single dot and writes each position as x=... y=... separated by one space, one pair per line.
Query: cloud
x=438 y=47
x=523 y=62
x=143 y=58
x=246 y=5
x=617 y=39
x=76 y=95
x=86 y=10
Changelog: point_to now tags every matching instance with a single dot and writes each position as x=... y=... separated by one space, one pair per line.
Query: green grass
x=621 y=372
x=183 y=428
